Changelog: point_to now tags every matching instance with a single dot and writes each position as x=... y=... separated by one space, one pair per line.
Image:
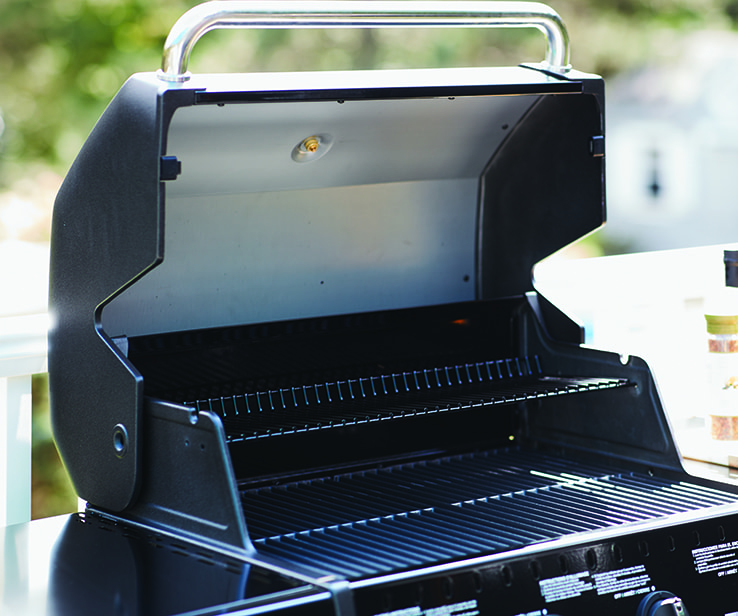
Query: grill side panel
x=106 y=231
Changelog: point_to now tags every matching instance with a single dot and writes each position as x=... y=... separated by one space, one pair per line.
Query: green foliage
x=52 y=491
x=62 y=60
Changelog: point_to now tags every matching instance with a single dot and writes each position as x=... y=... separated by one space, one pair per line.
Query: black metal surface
x=366 y=418
x=125 y=242
x=392 y=383
x=410 y=515
x=99 y=567
x=562 y=86
x=107 y=231
x=611 y=576
x=535 y=218
x=188 y=484
x=222 y=362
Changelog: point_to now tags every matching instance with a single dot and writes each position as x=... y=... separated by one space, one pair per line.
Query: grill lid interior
x=386 y=219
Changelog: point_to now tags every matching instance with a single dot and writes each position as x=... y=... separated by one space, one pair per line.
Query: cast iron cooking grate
x=375 y=521
x=391 y=396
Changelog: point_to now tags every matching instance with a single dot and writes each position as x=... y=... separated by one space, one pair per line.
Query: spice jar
x=722 y=344
x=722 y=333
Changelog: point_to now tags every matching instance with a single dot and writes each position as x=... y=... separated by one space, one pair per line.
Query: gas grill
x=296 y=334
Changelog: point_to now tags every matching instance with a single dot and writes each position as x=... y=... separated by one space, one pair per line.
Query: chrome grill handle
x=229 y=14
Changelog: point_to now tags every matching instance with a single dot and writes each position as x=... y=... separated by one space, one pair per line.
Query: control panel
x=689 y=569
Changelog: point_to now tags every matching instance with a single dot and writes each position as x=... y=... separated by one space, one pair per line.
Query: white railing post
x=15 y=449
x=22 y=354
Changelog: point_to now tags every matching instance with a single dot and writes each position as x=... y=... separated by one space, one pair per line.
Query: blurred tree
x=62 y=60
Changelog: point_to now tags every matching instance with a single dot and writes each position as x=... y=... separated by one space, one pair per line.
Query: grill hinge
x=597 y=146
x=170 y=168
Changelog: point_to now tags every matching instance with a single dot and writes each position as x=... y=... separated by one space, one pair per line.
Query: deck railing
x=22 y=354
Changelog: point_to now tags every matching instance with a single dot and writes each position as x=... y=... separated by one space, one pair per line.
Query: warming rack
x=382 y=397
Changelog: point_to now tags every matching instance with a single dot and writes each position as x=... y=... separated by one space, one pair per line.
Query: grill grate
x=381 y=520
x=391 y=396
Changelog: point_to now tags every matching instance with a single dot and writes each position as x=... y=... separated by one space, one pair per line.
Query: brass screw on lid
x=312 y=148
x=311 y=144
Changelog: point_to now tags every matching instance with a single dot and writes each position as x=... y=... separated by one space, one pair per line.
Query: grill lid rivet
x=120 y=440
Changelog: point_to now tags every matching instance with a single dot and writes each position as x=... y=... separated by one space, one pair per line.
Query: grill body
x=295 y=324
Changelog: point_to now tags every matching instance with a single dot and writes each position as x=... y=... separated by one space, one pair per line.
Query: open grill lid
x=408 y=206
x=210 y=201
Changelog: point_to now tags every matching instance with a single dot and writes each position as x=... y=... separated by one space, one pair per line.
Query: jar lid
x=722 y=324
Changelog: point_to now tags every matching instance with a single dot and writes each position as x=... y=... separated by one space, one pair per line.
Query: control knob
x=661 y=603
